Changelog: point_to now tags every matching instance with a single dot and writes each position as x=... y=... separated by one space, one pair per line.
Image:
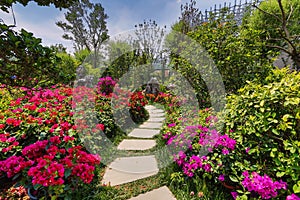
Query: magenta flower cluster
x=262 y=185
x=47 y=162
x=14 y=165
x=292 y=197
x=208 y=139
x=106 y=85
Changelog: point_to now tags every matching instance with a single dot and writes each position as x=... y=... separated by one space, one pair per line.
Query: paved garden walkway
x=128 y=169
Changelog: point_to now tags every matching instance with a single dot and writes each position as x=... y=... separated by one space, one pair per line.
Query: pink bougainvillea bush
x=49 y=138
x=41 y=141
x=203 y=153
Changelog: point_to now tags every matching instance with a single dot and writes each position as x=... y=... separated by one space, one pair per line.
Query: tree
x=86 y=25
x=278 y=22
x=190 y=17
x=24 y=61
x=120 y=58
x=149 y=39
x=148 y=45
x=59 y=48
x=5 y=4
x=238 y=52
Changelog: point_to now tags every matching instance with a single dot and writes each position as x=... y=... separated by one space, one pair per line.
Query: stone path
x=143 y=133
x=136 y=144
x=128 y=169
x=162 y=193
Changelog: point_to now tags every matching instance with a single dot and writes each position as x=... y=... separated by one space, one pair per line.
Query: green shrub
x=266 y=123
x=5 y=99
x=67 y=65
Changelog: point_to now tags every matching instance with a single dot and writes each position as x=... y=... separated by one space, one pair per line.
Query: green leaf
x=16 y=176
x=286 y=117
x=280 y=174
x=233 y=178
x=272 y=154
x=296 y=188
x=262 y=103
x=37 y=186
x=275 y=131
x=243 y=197
x=68 y=172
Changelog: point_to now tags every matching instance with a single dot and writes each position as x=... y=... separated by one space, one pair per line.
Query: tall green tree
x=85 y=26
x=237 y=51
x=278 y=23
x=24 y=61
x=120 y=58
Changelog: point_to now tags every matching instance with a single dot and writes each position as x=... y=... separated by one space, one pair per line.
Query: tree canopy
x=24 y=61
x=85 y=26
x=237 y=51
x=5 y=4
x=278 y=24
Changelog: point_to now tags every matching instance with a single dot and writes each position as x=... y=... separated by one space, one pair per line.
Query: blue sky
x=123 y=15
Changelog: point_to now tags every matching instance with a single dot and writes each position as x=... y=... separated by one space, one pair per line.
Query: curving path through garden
x=128 y=169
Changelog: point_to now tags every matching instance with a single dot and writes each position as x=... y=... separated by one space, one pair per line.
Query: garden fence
x=238 y=9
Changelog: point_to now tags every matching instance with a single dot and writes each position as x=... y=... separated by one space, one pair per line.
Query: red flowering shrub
x=49 y=164
x=39 y=139
x=137 y=110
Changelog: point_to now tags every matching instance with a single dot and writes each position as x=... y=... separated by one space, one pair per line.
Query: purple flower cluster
x=106 y=85
x=262 y=185
x=207 y=139
x=194 y=162
x=292 y=197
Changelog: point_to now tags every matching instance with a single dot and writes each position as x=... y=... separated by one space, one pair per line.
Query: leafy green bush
x=266 y=123
x=68 y=65
x=24 y=61
x=5 y=98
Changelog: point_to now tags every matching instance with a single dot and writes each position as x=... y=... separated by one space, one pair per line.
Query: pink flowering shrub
x=49 y=164
x=106 y=85
x=292 y=197
x=202 y=151
x=40 y=141
x=195 y=139
x=262 y=185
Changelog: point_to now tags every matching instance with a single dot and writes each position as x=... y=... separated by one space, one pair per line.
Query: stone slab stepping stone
x=156 y=111
x=151 y=125
x=136 y=144
x=162 y=193
x=157 y=115
x=156 y=119
x=128 y=169
x=143 y=133
x=150 y=107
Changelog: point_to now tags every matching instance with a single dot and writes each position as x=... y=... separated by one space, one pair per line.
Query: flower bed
x=256 y=154
x=44 y=133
